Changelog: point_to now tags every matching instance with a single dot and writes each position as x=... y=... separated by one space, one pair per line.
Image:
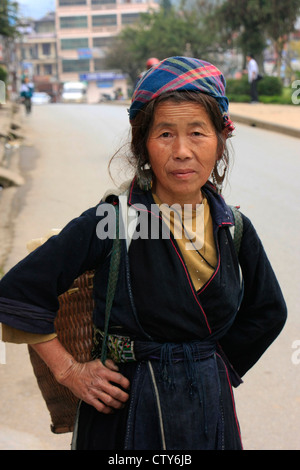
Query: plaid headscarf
x=181 y=73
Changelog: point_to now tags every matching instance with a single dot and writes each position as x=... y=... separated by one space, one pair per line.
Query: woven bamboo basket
x=74 y=328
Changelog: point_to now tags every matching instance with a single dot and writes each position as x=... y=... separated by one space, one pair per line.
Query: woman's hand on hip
x=101 y=386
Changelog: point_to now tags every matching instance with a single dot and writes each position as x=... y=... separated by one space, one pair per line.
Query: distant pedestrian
x=252 y=77
x=26 y=93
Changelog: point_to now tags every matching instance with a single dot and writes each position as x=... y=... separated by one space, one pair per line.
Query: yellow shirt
x=12 y=335
x=198 y=227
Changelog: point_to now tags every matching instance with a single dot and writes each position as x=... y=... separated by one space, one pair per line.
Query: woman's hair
x=141 y=125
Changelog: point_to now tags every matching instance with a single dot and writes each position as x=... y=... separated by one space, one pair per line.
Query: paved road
x=65 y=171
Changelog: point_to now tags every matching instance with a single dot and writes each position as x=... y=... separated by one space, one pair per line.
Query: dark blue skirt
x=181 y=398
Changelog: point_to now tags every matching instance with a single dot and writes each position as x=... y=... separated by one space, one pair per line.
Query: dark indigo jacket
x=156 y=304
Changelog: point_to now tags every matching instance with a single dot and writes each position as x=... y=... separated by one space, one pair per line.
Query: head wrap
x=181 y=73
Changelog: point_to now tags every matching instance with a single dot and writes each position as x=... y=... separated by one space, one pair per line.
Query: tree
x=280 y=22
x=9 y=18
x=242 y=23
x=162 y=34
x=252 y=22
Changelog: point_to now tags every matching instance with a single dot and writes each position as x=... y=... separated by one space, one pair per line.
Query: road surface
x=64 y=162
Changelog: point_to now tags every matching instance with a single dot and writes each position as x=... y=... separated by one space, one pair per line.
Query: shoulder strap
x=112 y=282
x=237 y=231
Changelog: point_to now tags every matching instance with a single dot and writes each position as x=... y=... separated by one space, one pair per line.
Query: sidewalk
x=279 y=118
x=10 y=177
x=10 y=137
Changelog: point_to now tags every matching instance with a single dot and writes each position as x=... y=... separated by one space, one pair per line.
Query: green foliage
x=244 y=21
x=3 y=74
x=205 y=29
x=280 y=17
x=296 y=75
x=252 y=22
x=8 y=18
x=270 y=91
x=270 y=86
x=162 y=34
x=238 y=98
x=238 y=94
x=238 y=86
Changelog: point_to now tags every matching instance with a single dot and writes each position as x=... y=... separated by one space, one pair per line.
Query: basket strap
x=238 y=228
x=237 y=234
x=112 y=282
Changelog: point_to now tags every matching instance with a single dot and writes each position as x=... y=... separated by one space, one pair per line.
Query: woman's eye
x=165 y=134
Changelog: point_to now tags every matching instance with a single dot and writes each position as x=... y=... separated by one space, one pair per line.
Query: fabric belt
x=122 y=349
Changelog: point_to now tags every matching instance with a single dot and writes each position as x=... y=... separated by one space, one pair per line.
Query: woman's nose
x=181 y=149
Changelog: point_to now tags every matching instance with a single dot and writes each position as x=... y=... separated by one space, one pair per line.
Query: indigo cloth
x=181 y=73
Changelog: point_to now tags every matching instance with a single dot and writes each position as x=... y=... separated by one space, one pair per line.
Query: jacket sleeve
x=29 y=291
x=262 y=313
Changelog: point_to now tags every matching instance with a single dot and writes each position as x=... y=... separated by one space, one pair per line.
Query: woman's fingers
x=110 y=364
x=107 y=388
x=113 y=376
x=99 y=385
x=105 y=397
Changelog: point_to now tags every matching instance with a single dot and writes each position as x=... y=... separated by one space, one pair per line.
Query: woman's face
x=182 y=148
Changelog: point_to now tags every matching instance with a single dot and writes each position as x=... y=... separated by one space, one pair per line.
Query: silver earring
x=218 y=179
x=144 y=177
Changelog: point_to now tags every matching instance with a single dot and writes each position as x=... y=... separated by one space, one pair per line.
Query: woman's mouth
x=183 y=174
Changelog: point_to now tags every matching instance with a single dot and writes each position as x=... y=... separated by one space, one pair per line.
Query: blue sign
x=101 y=76
x=84 y=54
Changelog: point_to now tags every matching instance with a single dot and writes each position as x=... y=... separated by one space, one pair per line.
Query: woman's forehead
x=170 y=112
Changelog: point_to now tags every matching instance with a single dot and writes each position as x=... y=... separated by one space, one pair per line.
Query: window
x=48 y=69
x=45 y=26
x=76 y=65
x=129 y=18
x=104 y=20
x=102 y=42
x=46 y=48
x=73 y=22
x=34 y=52
x=74 y=43
x=103 y=2
x=99 y=64
x=63 y=3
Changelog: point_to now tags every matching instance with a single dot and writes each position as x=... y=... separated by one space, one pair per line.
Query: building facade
x=37 y=52
x=85 y=29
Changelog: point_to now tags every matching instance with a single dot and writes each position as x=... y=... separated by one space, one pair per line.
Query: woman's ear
x=221 y=144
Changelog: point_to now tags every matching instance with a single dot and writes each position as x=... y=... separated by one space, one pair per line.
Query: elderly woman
x=194 y=324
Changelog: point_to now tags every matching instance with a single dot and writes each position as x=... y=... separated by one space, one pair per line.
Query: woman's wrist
x=57 y=358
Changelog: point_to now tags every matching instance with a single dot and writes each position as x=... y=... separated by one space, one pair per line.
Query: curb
x=253 y=122
x=10 y=177
x=9 y=135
